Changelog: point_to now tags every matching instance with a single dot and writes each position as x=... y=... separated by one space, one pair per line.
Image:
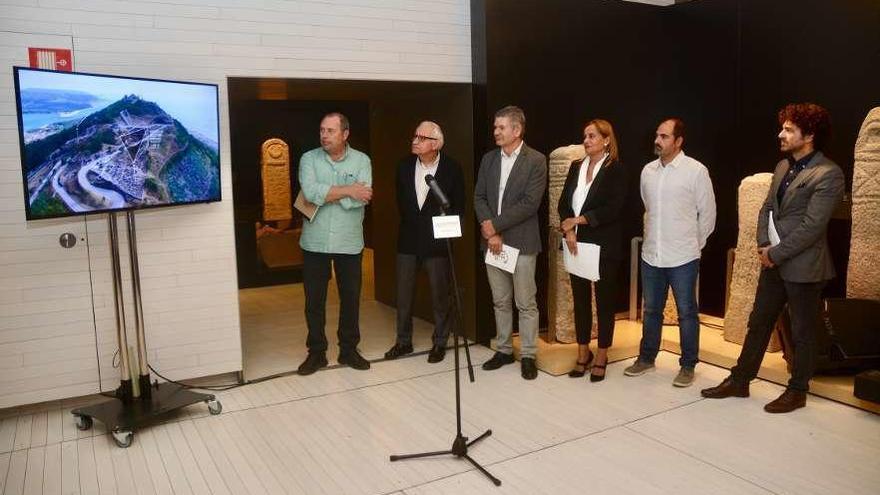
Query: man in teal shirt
x=338 y=179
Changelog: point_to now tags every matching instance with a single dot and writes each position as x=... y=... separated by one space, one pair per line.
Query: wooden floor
x=332 y=432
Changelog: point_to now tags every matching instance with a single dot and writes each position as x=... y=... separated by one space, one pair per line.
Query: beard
x=658 y=150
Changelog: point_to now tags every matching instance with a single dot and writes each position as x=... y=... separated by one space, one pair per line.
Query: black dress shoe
x=398 y=350
x=528 y=368
x=353 y=359
x=787 y=402
x=314 y=361
x=438 y=352
x=497 y=361
x=727 y=388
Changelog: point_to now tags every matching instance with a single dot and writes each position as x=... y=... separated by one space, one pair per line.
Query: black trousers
x=804 y=302
x=606 y=295
x=316 y=277
x=438 y=278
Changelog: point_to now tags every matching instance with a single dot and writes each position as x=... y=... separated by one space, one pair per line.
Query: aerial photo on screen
x=94 y=143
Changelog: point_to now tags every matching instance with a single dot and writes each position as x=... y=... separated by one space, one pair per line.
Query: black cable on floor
x=216 y=388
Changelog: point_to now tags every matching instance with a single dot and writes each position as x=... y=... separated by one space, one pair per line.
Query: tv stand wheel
x=214 y=407
x=83 y=422
x=123 y=438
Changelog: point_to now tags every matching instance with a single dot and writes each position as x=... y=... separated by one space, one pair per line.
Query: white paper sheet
x=505 y=260
x=446 y=226
x=771 y=231
x=585 y=263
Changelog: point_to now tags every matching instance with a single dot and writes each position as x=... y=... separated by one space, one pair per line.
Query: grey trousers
x=438 y=278
x=518 y=287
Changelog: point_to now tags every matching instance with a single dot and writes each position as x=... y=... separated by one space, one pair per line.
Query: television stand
x=126 y=411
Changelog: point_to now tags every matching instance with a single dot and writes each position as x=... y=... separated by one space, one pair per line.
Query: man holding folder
x=510 y=186
x=793 y=248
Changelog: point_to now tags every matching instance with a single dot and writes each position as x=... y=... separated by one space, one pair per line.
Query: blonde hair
x=607 y=131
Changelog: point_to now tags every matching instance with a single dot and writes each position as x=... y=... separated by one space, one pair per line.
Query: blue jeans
x=655 y=285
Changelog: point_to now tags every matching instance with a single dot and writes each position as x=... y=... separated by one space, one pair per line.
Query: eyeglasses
x=421 y=139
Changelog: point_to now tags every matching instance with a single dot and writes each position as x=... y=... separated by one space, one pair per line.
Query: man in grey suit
x=792 y=226
x=509 y=190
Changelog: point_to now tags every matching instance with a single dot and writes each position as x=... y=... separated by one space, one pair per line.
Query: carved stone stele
x=746 y=267
x=863 y=273
x=275 y=173
x=561 y=316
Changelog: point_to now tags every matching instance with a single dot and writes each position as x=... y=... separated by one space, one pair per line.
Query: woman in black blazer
x=589 y=211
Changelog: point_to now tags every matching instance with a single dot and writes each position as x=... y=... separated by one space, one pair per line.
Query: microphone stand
x=460 y=444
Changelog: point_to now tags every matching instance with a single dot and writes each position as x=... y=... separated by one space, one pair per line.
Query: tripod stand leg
x=416 y=456
x=460 y=444
x=484 y=435
x=494 y=480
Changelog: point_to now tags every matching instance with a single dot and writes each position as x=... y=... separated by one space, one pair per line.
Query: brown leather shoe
x=787 y=402
x=727 y=388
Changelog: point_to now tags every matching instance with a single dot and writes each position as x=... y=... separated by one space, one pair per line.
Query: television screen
x=93 y=143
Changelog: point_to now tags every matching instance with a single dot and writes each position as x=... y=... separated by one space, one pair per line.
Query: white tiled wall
x=57 y=329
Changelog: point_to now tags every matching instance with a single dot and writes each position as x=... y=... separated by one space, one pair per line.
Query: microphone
x=438 y=193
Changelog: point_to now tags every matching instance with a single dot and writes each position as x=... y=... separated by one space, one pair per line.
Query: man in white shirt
x=510 y=186
x=679 y=217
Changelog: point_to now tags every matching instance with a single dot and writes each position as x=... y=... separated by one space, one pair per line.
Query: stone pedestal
x=746 y=267
x=863 y=273
x=561 y=317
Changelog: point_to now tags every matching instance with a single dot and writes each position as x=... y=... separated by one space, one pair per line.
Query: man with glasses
x=336 y=178
x=416 y=246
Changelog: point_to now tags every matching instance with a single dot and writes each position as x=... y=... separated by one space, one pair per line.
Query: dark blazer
x=802 y=219
x=416 y=232
x=602 y=207
x=523 y=193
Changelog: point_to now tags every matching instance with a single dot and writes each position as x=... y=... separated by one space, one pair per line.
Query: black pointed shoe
x=353 y=359
x=438 y=352
x=787 y=402
x=398 y=350
x=498 y=360
x=576 y=373
x=727 y=388
x=314 y=361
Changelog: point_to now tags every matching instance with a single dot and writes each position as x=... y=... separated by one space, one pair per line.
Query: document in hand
x=771 y=231
x=307 y=209
x=505 y=260
x=585 y=264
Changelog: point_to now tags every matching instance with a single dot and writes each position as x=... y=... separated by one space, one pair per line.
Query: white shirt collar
x=429 y=165
x=599 y=164
x=675 y=161
x=515 y=152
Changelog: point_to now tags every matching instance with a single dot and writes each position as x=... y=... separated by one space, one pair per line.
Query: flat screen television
x=94 y=143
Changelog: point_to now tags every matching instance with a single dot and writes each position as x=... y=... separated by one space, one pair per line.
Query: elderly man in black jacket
x=416 y=245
